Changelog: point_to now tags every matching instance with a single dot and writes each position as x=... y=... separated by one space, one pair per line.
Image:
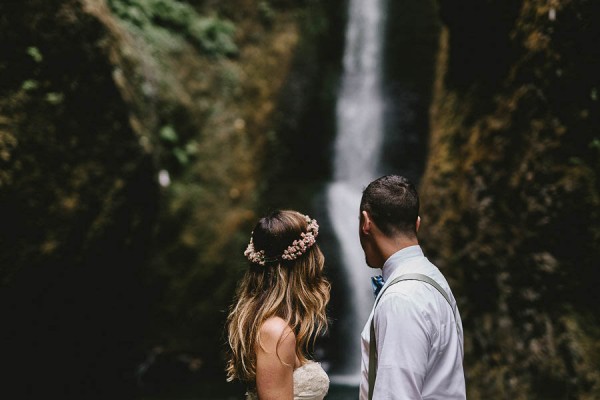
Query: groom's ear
x=418 y=224
x=365 y=223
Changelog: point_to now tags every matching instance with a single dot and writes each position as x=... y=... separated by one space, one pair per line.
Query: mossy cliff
x=134 y=136
x=511 y=192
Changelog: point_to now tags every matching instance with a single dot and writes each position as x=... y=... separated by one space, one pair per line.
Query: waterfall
x=358 y=142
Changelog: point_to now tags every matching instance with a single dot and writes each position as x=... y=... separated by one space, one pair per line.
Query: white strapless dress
x=310 y=383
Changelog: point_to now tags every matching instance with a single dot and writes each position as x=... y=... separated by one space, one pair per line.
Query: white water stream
x=357 y=151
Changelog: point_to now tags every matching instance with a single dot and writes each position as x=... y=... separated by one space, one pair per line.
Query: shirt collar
x=400 y=257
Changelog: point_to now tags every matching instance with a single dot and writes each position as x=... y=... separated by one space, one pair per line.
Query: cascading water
x=358 y=143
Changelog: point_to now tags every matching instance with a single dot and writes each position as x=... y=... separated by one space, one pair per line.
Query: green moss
x=159 y=19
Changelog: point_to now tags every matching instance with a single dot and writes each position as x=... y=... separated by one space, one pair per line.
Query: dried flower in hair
x=292 y=252
x=257 y=257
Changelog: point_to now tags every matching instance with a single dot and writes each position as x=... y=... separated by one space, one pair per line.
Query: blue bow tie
x=377 y=283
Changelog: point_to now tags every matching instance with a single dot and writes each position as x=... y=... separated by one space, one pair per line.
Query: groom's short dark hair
x=393 y=204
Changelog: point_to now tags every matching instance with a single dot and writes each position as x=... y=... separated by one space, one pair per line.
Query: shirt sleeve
x=403 y=333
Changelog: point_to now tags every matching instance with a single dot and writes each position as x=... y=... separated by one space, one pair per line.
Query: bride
x=279 y=311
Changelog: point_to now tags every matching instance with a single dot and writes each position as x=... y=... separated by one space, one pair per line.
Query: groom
x=412 y=344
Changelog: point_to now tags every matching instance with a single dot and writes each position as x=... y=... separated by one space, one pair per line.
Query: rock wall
x=78 y=201
x=137 y=140
x=511 y=192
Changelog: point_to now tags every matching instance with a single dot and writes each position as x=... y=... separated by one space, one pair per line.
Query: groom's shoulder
x=411 y=288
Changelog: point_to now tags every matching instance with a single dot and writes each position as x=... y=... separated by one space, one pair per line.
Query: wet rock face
x=77 y=202
x=510 y=195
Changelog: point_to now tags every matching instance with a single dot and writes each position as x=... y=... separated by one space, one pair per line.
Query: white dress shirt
x=420 y=350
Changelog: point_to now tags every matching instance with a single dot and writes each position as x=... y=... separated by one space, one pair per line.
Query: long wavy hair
x=294 y=290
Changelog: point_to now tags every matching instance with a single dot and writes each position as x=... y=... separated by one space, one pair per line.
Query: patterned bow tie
x=377 y=283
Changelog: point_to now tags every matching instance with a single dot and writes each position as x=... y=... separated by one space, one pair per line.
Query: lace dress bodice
x=310 y=383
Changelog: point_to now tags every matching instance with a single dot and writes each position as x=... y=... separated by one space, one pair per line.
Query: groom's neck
x=390 y=245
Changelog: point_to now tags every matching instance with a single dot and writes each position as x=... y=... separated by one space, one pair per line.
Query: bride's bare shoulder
x=276 y=336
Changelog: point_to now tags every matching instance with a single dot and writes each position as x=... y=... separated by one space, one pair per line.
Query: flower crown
x=295 y=250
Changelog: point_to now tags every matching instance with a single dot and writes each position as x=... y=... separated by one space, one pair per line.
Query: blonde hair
x=294 y=290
